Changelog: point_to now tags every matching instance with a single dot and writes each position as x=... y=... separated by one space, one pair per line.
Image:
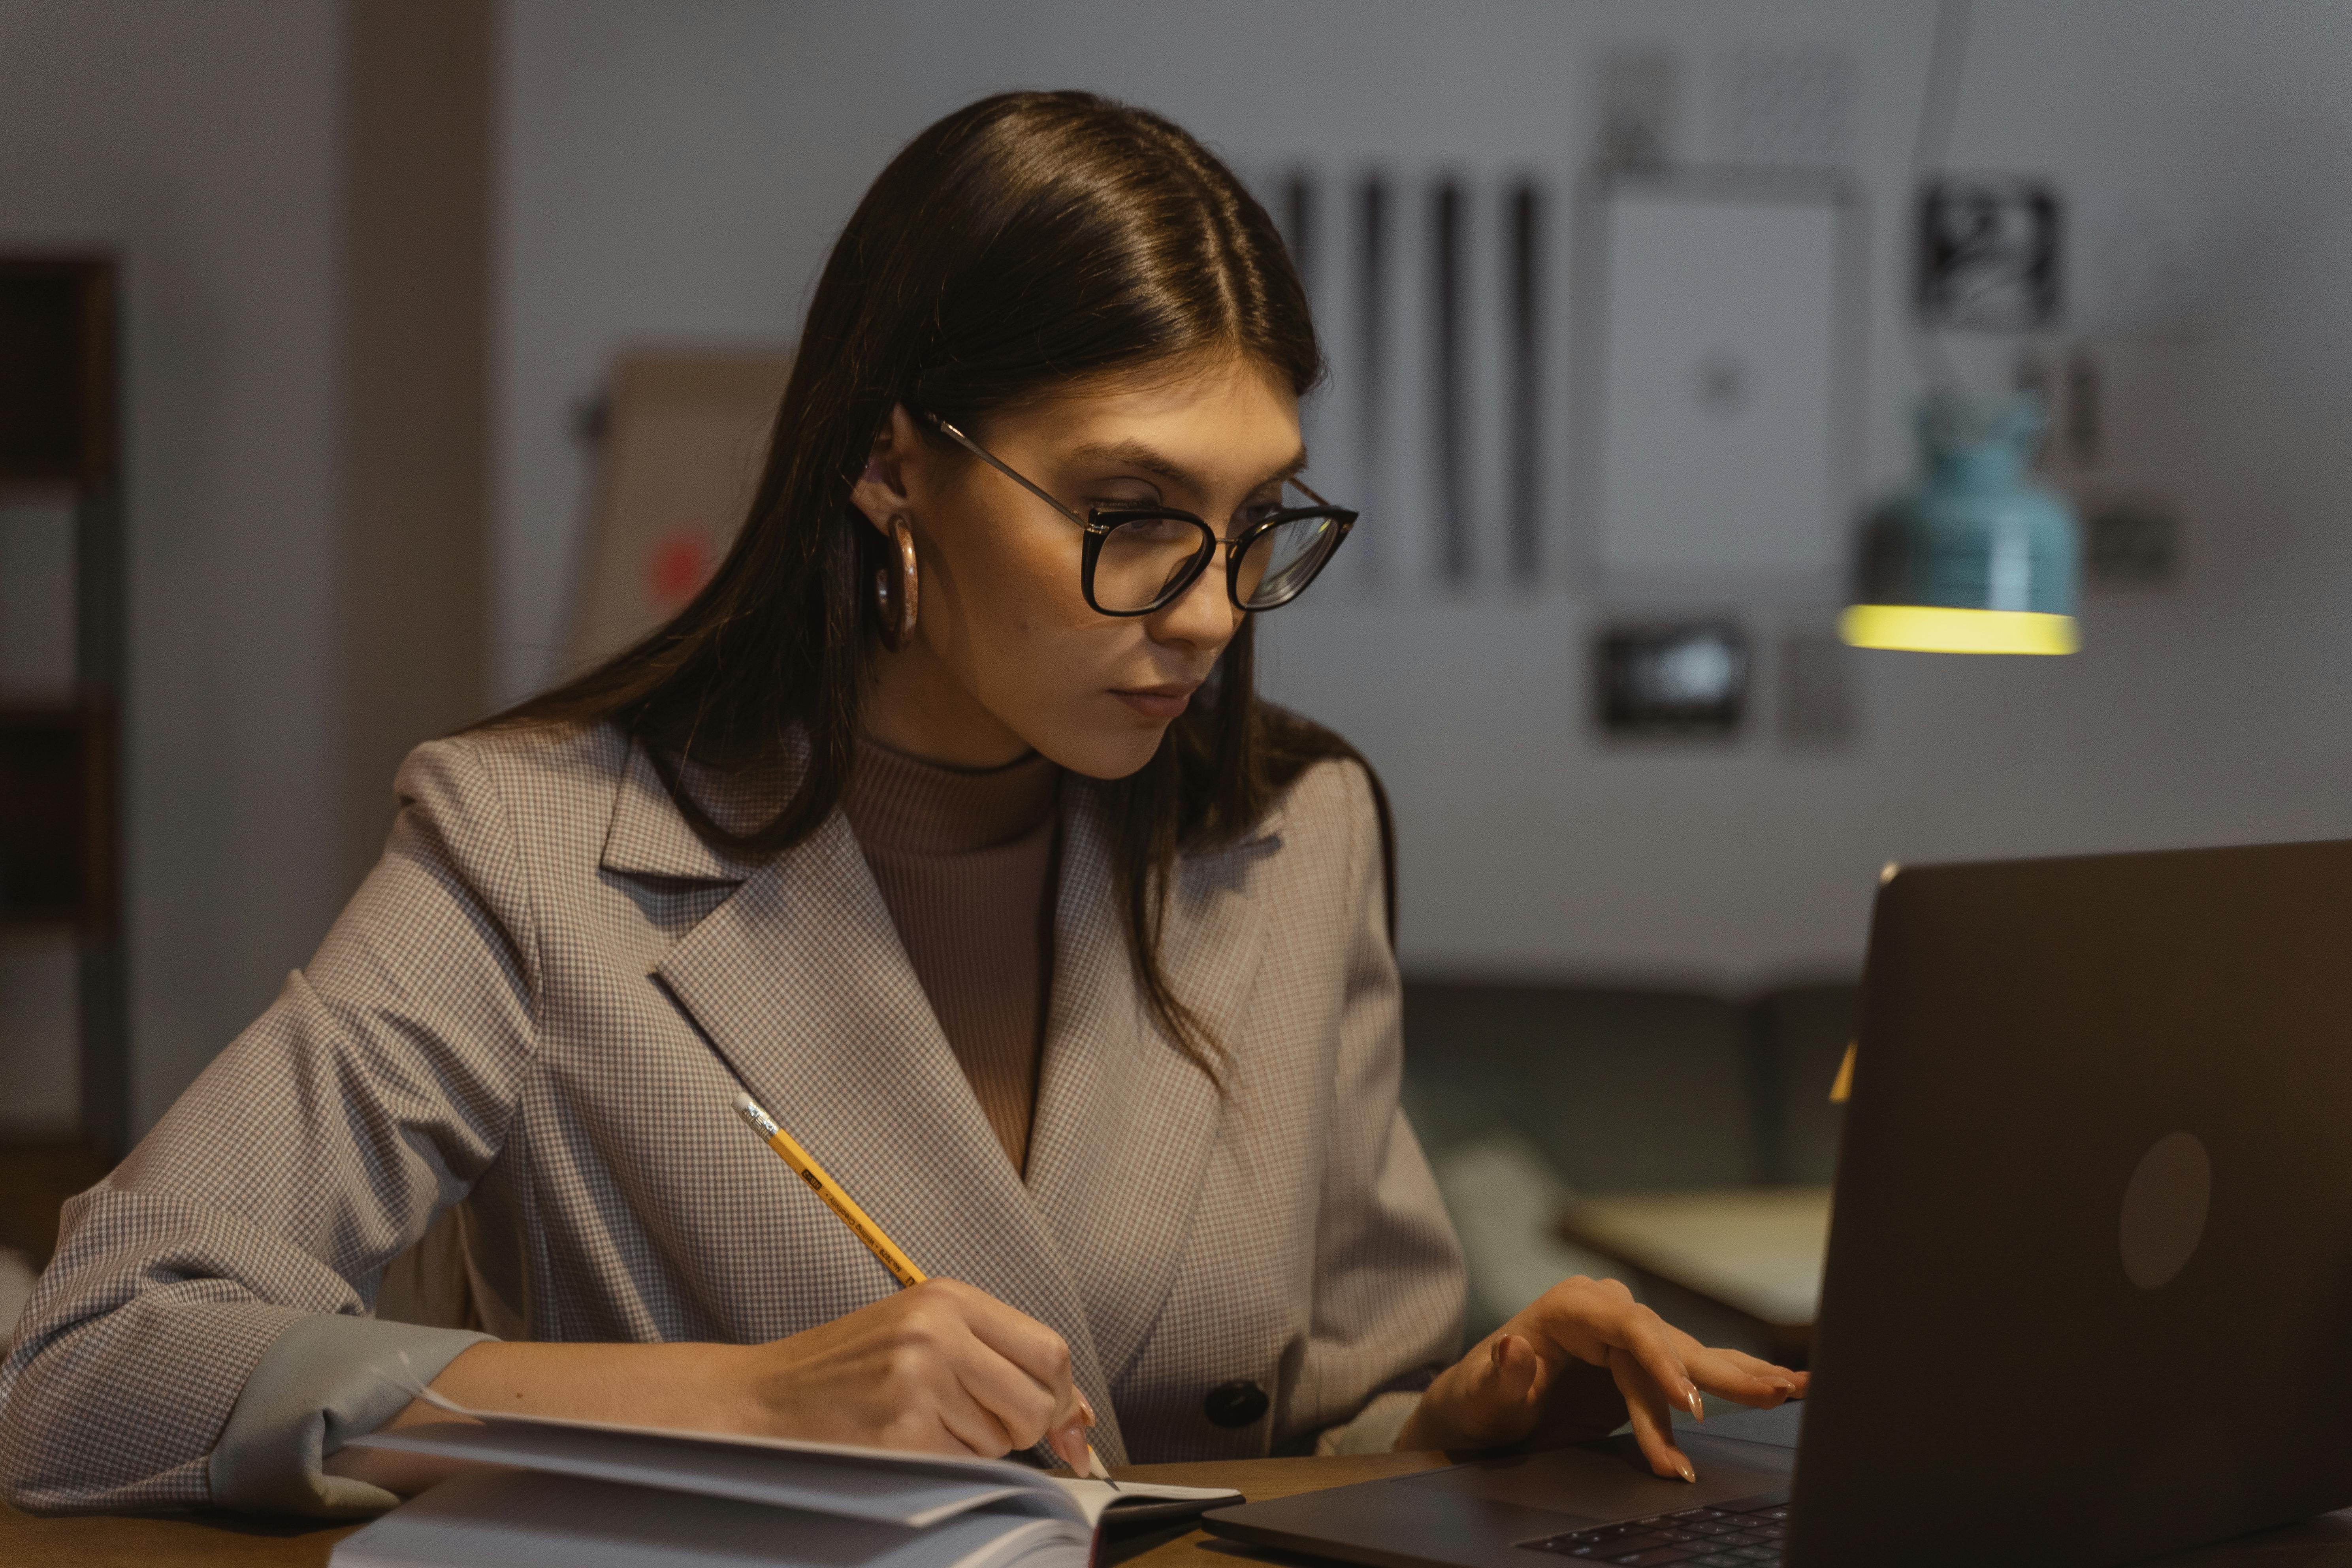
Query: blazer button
x=1235 y=1404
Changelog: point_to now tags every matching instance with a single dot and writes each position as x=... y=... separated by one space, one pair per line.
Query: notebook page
x=831 y=1483
x=504 y=1518
x=883 y=1485
x=1095 y=1497
x=1002 y=1471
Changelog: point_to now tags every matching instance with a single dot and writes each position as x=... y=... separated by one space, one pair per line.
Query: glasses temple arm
x=985 y=456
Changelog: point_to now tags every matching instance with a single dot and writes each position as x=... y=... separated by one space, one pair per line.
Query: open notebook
x=587 y=1494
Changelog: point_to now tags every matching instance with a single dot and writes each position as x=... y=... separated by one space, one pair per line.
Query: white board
x=1721 y=399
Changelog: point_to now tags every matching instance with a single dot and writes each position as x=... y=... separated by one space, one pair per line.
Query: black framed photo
x=1672 y=678
x=1989 y=253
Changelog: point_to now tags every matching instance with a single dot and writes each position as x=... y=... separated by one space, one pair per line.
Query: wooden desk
x=1755 y=1252
x=172 y=1540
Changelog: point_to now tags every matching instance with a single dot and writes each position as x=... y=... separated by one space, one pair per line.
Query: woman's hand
x=941 y=1368
x=1580 y=1358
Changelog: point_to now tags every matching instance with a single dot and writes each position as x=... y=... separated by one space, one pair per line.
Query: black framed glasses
x=1141 y=559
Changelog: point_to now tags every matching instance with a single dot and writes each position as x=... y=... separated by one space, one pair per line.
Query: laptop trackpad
x=1611 y=1482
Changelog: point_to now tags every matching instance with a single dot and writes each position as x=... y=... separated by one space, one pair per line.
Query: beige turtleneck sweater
x=966 y=864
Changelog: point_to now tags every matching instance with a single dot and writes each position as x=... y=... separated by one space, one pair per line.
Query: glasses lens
x=1283 y=559
x=1145 y=559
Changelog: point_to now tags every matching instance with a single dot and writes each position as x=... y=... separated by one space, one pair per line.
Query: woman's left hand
x=1579 y=1359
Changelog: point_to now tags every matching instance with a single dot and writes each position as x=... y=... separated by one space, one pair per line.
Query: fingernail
x=1685 y=1467
x=1697 y=1406
x=1086 y=1412
x=1496 y=1356
x=1071 y=1444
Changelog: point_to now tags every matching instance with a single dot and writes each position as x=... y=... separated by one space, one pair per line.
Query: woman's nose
x=1203 y=615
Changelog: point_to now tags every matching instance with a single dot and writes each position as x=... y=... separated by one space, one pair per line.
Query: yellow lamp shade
x=1944 y=628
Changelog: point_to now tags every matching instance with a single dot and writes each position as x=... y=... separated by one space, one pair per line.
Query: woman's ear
x=884 y=490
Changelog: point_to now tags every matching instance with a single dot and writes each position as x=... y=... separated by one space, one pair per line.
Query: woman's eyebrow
x=1297 y=464
x=1139 y=455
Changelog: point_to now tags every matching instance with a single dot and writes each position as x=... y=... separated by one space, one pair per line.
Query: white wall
x=199 y=143
x=675 y=174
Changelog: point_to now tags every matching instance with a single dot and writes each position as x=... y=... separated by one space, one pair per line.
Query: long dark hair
x=1026 y=239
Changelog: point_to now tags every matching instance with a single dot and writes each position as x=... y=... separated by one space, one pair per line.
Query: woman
x=946 y=823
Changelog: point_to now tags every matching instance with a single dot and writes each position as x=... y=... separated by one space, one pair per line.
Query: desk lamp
x=1975 y=557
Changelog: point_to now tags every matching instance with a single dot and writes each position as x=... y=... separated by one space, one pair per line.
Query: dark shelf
x=59 y=762
x=56 y=389
x=44 y=781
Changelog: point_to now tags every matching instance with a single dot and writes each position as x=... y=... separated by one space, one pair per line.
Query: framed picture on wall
x=681 y=438
x=1720 y=328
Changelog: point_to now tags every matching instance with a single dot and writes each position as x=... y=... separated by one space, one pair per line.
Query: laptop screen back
x=2089 y=1288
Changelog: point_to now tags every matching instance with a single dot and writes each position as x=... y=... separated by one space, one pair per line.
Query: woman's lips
x=1160 y=702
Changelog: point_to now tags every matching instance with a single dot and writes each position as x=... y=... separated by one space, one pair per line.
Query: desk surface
x=166 y=1542
x=1758 y=1250
x=114 y=1541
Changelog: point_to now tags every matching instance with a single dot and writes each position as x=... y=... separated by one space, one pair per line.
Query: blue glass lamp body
x=1977 y=532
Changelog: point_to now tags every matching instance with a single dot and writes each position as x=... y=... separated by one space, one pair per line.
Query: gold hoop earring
x=897 y=604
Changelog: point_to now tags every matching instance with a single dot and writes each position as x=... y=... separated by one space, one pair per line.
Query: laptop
x=2088 y=1297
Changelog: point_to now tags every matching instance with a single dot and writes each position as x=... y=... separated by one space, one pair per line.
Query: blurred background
x=415 y=352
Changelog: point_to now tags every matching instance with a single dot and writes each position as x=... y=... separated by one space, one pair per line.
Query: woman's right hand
x=941 y=1367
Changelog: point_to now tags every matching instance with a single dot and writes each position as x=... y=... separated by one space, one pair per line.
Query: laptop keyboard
x=1743 y=1534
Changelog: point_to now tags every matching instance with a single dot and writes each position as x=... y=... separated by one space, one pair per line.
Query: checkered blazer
x=541 y=1004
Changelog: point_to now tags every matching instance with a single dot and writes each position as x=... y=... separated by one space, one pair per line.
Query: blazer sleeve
x=204 y=1334
x=1390 y=1286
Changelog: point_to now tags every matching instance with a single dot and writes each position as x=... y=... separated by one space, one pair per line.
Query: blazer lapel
x=800 y=982
x=649 y=837
x=1125 y=1122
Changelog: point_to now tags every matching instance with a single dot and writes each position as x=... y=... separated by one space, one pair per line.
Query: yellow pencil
x=901 y=1266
